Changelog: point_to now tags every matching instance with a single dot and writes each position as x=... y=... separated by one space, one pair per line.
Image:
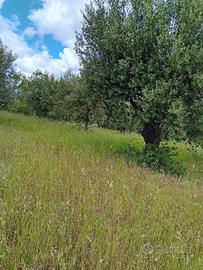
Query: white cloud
x=1 y=3
x=60 y=18
x=29 y=59
x=69 y=56
x=15 y=42
x=42 y=61
x=29 y=32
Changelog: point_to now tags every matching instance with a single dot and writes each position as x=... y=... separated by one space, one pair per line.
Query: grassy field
x=69 y=200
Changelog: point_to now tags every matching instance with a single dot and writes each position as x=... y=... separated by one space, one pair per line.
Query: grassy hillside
x=69 y=200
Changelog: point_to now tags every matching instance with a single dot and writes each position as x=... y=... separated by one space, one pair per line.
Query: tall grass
x=68 y=200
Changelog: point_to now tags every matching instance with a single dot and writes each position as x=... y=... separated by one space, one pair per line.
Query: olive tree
x=148 y=53
x=8 y=77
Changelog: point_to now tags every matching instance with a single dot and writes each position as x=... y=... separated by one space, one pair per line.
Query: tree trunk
x=152 y=133
x=86 y=123
x=87 y=120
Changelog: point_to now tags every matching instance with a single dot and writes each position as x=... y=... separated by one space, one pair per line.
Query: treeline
x=64 y=98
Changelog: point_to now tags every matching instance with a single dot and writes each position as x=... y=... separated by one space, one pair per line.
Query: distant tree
x=41 y=93
x=53 y=97
x=20 y=102
x=68 y=86
x=84 y=103
x=150 y=55
x=8 y=76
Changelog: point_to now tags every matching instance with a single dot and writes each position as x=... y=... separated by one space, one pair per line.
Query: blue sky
x=41 y=33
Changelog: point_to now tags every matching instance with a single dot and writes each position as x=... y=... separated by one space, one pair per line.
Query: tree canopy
x=150 y=55
x=7 y=76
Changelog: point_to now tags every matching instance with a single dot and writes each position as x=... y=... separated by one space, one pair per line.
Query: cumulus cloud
x=60 y=18
x=15 y=42
x=68 y=56
x=29 y=32
x=43 y=61
x=29 y=59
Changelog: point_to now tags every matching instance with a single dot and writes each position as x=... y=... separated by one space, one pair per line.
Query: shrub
x=161 y=159
x=20 y=106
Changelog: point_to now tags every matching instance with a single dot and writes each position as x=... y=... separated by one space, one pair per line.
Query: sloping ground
x=68 y=201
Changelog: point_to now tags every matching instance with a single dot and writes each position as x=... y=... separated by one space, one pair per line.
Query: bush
x=161 y=159
x=20 y=106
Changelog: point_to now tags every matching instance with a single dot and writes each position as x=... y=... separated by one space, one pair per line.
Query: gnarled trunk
x=87 y=120
x=152 y=133
x=87 y=117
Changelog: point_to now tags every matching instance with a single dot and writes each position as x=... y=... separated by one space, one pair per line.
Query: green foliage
x=7 y=77
x=66 y=87
x=67 y=98
x=20 y=106
x=150 y=55
x=162 y=159
x=41 y=94
x=47 y=96
x=116 y=115
x=83 y=105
